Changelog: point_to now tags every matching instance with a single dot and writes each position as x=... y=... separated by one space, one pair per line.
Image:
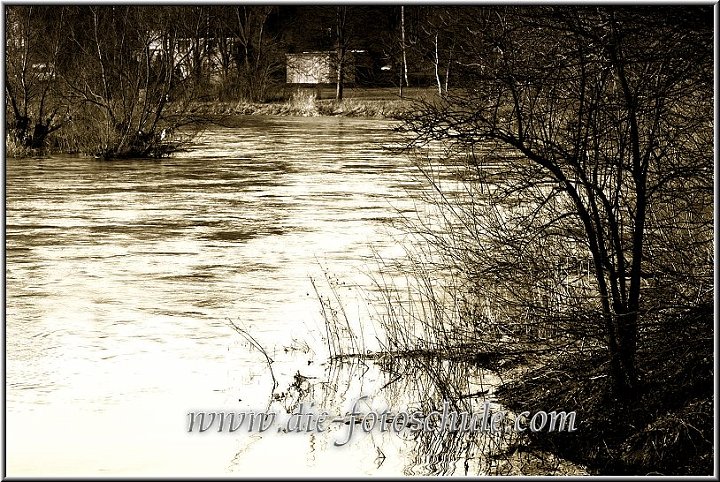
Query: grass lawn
x=327 y=92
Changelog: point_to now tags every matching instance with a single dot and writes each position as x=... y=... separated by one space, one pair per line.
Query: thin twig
x=259 y=347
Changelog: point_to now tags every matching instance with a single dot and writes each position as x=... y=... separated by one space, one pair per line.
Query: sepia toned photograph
x=359 y=240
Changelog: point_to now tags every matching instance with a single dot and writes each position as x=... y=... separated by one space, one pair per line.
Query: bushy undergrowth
x=13 y=148
x=667 y=429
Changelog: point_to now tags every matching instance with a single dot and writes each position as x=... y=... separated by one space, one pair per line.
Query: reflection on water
x=121 y=276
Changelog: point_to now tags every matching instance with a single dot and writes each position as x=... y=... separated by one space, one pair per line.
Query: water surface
x=122 y=275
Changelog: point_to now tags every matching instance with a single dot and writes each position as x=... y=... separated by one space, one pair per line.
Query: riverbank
x=309 y=108
x=666 y=430
x=380 y=103
x=375 y=103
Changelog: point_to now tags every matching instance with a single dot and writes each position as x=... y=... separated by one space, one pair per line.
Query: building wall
x=317 y=68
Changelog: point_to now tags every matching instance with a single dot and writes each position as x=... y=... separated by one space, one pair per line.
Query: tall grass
x=442 y=298
x=343 y=337
x=304 y=103
x=13 y=148
x=449 y=305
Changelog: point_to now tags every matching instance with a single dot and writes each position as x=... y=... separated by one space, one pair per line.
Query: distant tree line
x=117 y=80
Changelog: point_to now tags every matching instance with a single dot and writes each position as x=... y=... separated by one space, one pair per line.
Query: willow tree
x=35 y=44
x=584 y=127
x=106 y=80
x=130 y=79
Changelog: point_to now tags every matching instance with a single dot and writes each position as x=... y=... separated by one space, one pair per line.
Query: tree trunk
x=401 y=86
x=437 y=66
x=403 y=46
x=340 y=51
x=627 y=341
x=340 y=75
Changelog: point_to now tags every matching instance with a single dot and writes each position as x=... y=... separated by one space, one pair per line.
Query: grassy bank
x=379 y=103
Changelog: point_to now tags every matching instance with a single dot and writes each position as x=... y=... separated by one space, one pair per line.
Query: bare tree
x=194 y=37
x=403 y=47
x=440 y=26
x=341 y=47
x=257 y=58
x=584 y=125
x=126 y=80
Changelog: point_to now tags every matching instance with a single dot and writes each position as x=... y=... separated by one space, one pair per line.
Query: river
x=122 y=277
